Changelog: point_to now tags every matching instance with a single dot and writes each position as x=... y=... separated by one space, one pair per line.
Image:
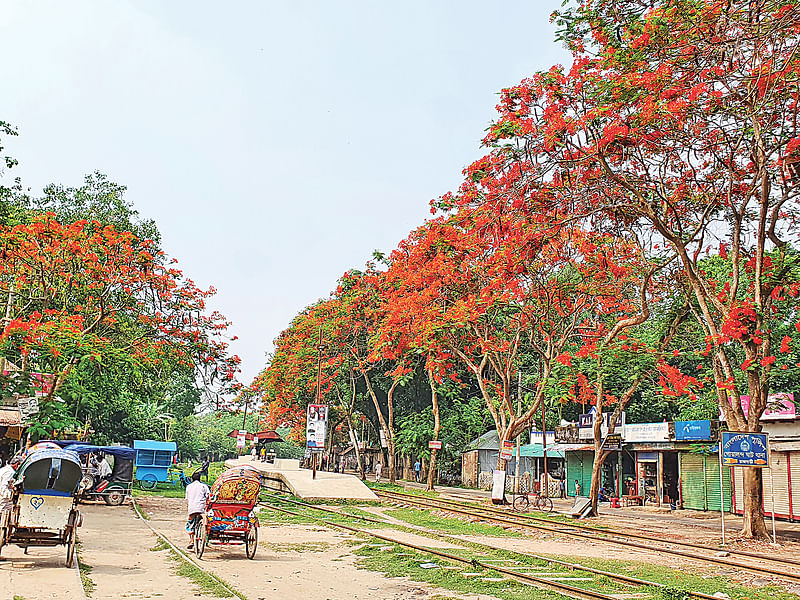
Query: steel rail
x=617 y=532
x=183 y=555
x=538 y=582
x=573 y=566
x=432 y=503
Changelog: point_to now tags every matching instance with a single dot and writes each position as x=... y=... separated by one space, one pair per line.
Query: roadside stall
x=153 y=460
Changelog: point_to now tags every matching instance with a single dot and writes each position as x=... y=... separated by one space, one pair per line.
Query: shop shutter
x=588 y=461
x=781 y=480
x=738 y=486
x=712 y=483
x=693 y=486
x=794 y=460
x=574 y=470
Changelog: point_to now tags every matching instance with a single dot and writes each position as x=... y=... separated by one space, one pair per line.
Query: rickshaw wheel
x=148 y=482
x=114 y=498
x=251 y=542
x=200 y=538
x=71 y=547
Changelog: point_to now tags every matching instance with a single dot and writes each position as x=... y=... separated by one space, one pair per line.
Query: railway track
x=621 y=578
x=773 y=566
x=521 y=574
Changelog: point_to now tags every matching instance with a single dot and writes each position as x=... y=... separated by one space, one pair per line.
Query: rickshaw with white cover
x=44 y=511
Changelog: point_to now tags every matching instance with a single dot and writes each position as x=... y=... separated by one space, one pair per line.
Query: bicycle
x=176 y=476
x=533 y=500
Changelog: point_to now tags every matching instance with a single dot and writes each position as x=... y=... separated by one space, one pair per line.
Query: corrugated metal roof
x=536 y=451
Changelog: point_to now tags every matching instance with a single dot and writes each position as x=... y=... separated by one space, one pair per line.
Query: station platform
x=286 y=476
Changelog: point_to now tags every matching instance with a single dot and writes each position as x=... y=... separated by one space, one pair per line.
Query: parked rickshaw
x=114 y=490
x=229 y=518
x=44 y=509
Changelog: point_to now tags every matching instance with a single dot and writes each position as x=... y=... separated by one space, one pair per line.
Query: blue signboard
x=692 y=430
x=745 y=449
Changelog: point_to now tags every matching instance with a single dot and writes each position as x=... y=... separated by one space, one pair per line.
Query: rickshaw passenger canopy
x=122 y=452
x=53 y=471
x=236 y=486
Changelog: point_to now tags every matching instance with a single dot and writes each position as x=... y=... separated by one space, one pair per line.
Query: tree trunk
x=356 y=449
x=753 y=524
x=384 y=427
x=390 y=436
x=436 y=425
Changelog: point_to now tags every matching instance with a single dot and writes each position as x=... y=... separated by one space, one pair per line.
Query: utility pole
x=519 y=410
x=544 y=447
x=319 y=398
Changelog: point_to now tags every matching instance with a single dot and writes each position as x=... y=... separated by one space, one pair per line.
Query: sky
x=275 y=144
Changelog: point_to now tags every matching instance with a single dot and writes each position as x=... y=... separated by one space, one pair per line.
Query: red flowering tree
x=82 y=291
x=678 y=121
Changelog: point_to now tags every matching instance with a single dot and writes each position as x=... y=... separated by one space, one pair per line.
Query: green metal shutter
x=574 y=470
x=693 y=485
x=712 y=479
x=588 y=461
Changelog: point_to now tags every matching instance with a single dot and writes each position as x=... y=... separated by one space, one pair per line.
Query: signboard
x=382 y=434
x=780 y=407
x=435 y=444
x=27 y=408
x=586 y=425
x=692 y=430
x=613 y=442
x=745 y=449
x=647 y=432
x=42 y=383
x=498 y=486
x=316 y=426
x=241 y=438
x=507 y=450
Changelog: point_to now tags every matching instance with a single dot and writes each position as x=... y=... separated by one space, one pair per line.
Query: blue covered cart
x=153 y=460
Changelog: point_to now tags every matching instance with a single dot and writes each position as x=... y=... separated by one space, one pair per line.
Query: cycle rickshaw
x=44 y=509
x=229 y=518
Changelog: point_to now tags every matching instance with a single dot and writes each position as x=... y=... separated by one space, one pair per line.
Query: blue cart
x=153 y=460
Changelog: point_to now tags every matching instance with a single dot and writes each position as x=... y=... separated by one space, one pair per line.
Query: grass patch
x=680 y=580
x=395 y=564
x=304 y=547
x=85 y=572
x=208 y=585
x=449 y=525
x=16 y=597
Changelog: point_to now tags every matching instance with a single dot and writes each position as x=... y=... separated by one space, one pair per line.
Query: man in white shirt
x=196 y=495
x=103 y=468
x=6 y=476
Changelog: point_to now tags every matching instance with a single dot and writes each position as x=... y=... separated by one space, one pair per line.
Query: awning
x=784 y=446
x=570 y=448
x=536 y=451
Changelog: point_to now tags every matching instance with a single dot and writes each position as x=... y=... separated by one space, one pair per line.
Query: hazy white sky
x=275 y=144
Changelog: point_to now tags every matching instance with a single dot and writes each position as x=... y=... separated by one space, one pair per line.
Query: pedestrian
x=417 y=468
x=6 y=491
x=378 y=469
x=205 y=466
x=263 y=454
x=562 y=487
x=196 y=495
x=253 y=454
x=577 y=488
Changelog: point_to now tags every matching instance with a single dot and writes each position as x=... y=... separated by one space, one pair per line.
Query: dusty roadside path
x=38 y=575
x=117 y=546
x=294 y=561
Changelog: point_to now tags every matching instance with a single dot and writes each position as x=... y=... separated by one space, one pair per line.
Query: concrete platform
x=285 y=477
